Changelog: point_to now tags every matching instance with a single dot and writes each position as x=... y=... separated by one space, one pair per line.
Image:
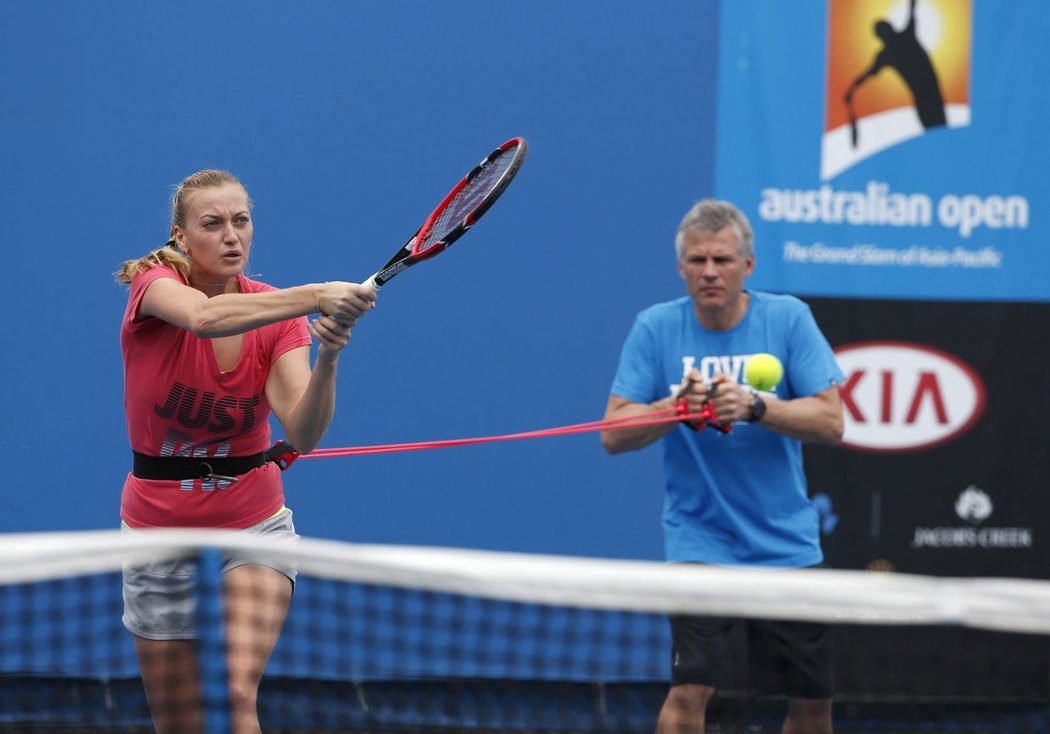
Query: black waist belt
x=205 y=467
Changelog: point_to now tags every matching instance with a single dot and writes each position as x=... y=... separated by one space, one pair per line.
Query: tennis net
x=407 y=639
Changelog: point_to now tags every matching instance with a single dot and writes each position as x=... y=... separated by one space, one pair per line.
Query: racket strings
x=467 y=199
x=648 y=418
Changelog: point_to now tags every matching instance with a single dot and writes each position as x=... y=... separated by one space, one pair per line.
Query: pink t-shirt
x=177 y=402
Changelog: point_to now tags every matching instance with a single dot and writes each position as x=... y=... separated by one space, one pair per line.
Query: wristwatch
x=757 y=408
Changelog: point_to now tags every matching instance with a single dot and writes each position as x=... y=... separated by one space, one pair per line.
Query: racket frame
x=411 y=253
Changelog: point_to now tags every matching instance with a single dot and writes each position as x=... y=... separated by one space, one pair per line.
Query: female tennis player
x=208 y=353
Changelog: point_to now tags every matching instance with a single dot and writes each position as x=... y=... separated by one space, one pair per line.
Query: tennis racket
x=459 y=211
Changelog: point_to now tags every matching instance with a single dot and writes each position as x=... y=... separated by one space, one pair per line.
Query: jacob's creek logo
x=973 y=506
x=895 y=70
x=901 y=396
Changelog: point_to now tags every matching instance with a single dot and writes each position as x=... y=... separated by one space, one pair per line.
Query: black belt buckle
x=219 y=477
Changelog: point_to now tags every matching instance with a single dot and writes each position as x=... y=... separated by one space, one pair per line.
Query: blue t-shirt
x=737 y=498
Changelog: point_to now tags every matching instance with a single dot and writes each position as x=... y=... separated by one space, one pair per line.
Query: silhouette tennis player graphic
x=902 y=51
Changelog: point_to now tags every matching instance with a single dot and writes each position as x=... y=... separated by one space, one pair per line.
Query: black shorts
x=784 y=658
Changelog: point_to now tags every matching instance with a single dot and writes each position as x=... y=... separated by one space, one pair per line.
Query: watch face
x=758 y=408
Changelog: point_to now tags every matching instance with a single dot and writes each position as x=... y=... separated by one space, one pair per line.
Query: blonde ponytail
x=168 y=255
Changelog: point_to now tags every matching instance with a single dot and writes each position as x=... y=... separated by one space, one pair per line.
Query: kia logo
x=900 y=396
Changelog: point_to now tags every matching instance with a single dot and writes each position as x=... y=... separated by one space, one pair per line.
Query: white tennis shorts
x=160 y=596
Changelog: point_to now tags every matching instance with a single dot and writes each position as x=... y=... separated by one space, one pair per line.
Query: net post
x=214 y=676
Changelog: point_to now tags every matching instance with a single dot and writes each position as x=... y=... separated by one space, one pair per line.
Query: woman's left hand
x=333 y=335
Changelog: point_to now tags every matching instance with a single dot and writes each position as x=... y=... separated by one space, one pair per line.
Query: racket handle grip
x=371 y=283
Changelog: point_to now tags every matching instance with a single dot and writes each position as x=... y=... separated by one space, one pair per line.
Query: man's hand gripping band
x=706 y=416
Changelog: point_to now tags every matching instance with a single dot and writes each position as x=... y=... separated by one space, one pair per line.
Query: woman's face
x=217 y=235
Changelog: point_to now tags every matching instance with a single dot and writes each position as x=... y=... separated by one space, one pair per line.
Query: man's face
x=713 y=268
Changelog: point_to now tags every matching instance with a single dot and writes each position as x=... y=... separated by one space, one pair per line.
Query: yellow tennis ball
x=763 y=371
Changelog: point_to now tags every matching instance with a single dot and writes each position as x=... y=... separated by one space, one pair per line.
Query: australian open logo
x=896 y=69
